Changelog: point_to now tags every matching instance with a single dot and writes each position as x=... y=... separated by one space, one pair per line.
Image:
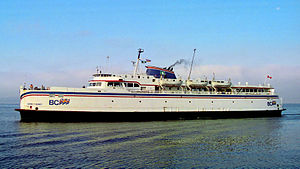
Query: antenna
x=97 y=69
x=107 y=64
x=138 y=60
x=192 y=64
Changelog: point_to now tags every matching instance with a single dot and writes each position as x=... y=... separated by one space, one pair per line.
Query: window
x=98 y=84
x=110 y=84
x=136 y=85
x=117 y=84
x=153 y=80
x=130 y=84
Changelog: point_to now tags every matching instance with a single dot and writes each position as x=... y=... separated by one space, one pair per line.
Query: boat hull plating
x=94 y=106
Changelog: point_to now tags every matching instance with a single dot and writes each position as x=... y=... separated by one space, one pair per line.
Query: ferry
x=155 y=95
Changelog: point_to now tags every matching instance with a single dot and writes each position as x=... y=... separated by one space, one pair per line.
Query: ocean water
x=221 y=143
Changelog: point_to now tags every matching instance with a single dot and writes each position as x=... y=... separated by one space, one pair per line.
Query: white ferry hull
x=48 y=105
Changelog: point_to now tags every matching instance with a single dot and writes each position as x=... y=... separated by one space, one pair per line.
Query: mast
x=192 y=64
x=138 y=60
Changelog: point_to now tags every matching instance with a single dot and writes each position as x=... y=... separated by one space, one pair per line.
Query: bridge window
x=117 y=84
x=131 y=85
x=110 y=84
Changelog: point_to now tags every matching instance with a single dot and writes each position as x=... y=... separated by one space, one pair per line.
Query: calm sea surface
x=222 y=143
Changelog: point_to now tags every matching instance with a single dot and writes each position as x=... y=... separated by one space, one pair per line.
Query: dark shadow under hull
x=86 y=116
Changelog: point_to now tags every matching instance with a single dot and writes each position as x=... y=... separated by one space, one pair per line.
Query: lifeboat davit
x=196 y=83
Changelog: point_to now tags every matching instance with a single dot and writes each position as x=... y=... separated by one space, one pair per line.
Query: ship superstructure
x=156 y=95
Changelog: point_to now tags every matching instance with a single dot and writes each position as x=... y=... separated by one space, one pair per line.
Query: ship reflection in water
x=259 y=142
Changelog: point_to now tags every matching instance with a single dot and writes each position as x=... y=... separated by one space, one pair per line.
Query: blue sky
x=39 y=38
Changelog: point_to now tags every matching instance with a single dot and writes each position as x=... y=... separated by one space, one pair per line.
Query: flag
x=270 y=77
x=148 y=60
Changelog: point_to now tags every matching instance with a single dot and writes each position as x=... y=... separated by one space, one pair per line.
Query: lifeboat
x=221 y=84
x=196 y=83
x=170 y=82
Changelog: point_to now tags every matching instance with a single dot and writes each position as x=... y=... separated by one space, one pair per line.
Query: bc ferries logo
x=59 y=102
x=271 y=103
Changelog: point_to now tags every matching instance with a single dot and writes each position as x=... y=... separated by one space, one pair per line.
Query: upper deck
x=150 y=84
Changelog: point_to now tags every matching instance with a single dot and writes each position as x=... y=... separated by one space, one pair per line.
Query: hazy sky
x=55 y=42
